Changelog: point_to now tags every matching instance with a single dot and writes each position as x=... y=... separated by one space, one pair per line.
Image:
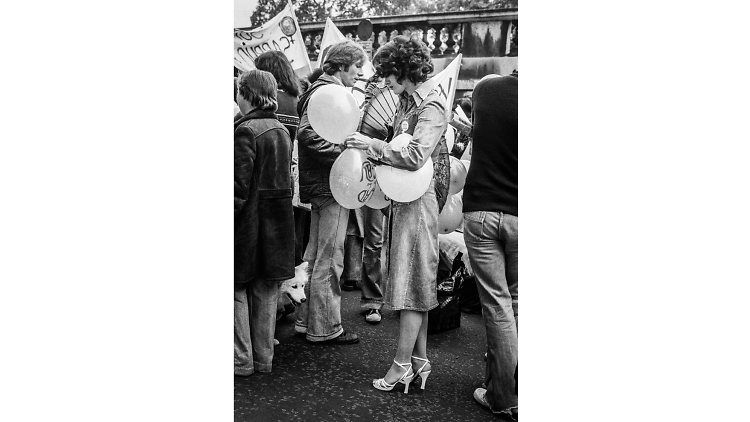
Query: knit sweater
x=492 y=181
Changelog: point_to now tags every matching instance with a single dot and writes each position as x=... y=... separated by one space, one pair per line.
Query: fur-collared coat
x=263 y=216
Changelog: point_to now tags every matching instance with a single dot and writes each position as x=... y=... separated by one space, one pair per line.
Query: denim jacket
x=421 y=115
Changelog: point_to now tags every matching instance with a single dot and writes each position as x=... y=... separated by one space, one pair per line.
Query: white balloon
x=452 y=215
x=404 y=185
x=400 y=141
x=450 y=137
x=378 y=200
x=333 y=113
x=352 y=178
x=458 y=176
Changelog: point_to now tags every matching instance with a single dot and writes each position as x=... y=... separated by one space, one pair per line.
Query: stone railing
x=486 y=33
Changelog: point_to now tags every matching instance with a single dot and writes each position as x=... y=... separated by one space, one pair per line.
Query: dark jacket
x=263 y=216
x=316 y=155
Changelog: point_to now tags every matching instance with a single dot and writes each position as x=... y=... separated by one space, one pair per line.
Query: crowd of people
x=283 y=197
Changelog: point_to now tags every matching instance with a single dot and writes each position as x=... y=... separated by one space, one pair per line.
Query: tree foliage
x=318 y=10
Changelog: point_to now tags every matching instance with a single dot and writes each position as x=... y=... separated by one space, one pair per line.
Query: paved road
x=312 y=382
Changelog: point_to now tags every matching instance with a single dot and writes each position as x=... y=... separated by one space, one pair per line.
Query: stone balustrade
x=486 y=33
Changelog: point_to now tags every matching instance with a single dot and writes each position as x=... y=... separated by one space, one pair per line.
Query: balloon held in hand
x=404 y=185
x=379 y=200
x=333 y=113
x=352 y=179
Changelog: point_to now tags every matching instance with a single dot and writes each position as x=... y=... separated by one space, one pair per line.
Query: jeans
x=301 y=233
x=492 y=243
x=320 y=315
x=363 y=253
x=254 y=325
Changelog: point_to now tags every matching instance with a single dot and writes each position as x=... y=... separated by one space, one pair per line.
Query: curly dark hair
x=276 y=62
x=404 y=57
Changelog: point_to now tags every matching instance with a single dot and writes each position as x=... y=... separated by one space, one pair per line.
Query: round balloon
x=400 y=141
x=466 y=163
x=404 y=185
x=450 y=137
x=352 y=178
x=458 y=176
x=333 y=113
x=378 y=200
x=452 y=215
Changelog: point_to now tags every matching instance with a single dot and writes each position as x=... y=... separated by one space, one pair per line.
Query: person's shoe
x=480 y=395
x=405 y=379
x=373 y=316
x=344 y=338
x=424 y=371
x=299 y=331
x=349 y=285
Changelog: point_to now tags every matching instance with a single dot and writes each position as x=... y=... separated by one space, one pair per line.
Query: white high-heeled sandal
x=421 y=372
x=405 y=379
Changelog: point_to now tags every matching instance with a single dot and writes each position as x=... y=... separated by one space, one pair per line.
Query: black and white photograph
x=376 y=211
x=382 y=152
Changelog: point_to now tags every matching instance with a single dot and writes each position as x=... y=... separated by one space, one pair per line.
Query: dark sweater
x=287 y=112
x=492 y=182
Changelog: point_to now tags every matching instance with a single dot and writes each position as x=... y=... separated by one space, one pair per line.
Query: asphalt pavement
x=314 y=382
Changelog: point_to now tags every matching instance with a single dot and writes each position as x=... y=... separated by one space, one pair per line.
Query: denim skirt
x=412 y=253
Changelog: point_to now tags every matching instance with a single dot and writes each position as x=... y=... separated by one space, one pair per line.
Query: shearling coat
x=263 y=216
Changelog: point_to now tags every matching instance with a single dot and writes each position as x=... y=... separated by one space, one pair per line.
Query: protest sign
x=280 y=33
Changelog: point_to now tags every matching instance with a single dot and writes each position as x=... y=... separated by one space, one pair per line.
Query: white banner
x=280 y=33
x=331 y=36
x=445 y=82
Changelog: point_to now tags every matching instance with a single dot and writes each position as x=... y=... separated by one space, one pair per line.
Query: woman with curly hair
x=410 y=286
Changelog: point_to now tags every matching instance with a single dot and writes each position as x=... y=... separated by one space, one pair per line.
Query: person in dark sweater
x=288 y=93
x=491 y=234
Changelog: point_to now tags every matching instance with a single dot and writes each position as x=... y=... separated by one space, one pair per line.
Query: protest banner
x=331 y=36
x=445 y=83
x=280 y=33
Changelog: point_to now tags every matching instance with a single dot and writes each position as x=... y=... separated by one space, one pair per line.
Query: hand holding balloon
x=358 y=141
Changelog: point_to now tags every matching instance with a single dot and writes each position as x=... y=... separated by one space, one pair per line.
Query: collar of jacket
x=255 y=114
x=422 y=92
x=324 y=79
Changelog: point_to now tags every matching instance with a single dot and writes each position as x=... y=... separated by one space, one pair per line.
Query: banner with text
x=280 y=33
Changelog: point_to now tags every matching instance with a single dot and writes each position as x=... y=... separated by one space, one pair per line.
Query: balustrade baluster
x=443 y=40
